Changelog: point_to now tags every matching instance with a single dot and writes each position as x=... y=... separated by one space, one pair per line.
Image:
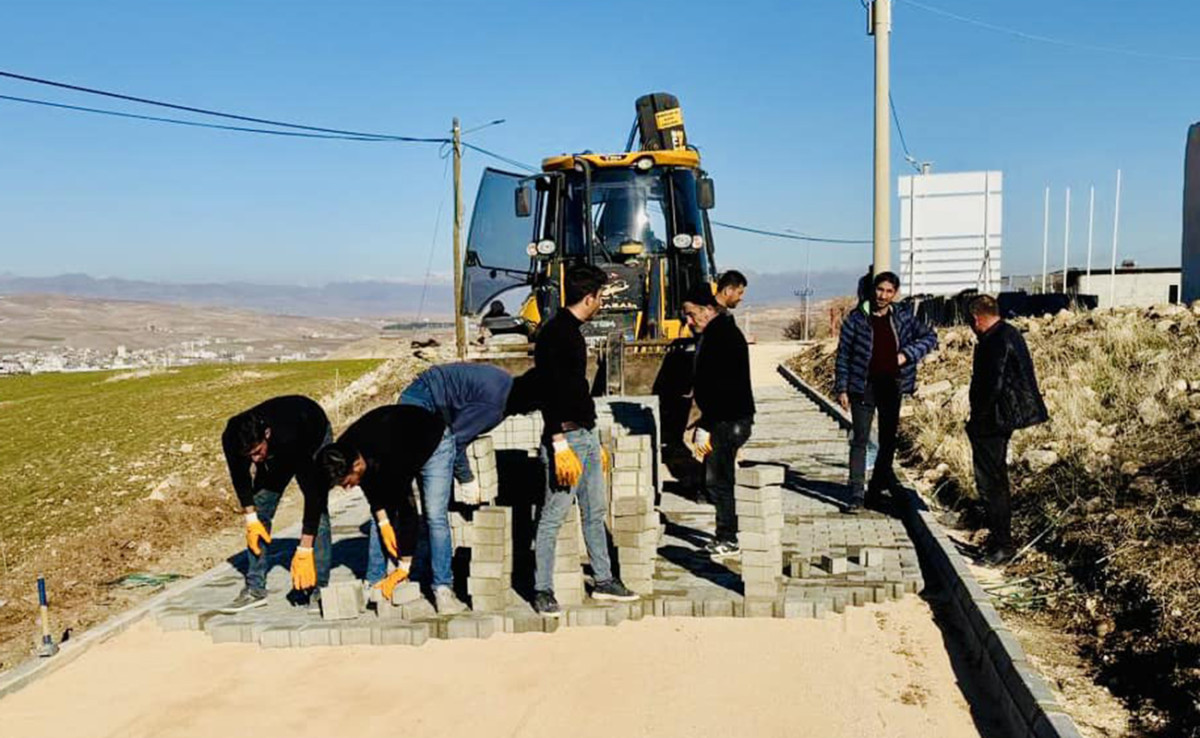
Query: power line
x=789 y=236
x=1048 y=39
x=903 y=144
x=216 y=113
x=192 y=123
x=505 y=159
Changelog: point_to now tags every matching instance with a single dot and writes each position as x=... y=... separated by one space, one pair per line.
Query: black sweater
x=395 y=441
x=299 y=429
x=560 y=357
x=722 y=379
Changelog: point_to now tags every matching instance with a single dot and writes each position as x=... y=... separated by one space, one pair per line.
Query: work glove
x=304 y=570
x=388 y=534
x=388 y=584
x=255 y=532
x=702 y=444
x=605 y=462
x=567 y=469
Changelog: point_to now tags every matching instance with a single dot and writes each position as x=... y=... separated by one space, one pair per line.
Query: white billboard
x=950 y=234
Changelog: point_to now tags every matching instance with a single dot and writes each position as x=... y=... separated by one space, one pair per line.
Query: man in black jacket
x=279 y=438
x=382 y=453
x=1004 y=398
x=570 y=448
x=721 y=388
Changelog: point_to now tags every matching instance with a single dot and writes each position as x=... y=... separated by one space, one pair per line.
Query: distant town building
x=1132 y=285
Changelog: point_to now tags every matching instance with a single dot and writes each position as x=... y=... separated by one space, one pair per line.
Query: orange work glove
x=702 y=444
x=567 y=469
x=255 y=532
x=304 y=570
x=388 y=584
x=388 y=534
x=605 y=462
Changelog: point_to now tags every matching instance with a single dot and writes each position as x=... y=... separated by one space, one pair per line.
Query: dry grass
x=1108 y=488
x=104 y=478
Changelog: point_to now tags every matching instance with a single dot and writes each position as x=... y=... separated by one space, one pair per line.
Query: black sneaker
x=545 y=605
x=718 y=550
x=854 y=508
x=614 y=590
x=1000 y=556
x=247 y=599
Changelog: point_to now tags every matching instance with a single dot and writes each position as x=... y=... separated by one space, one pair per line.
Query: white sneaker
x=446 y=602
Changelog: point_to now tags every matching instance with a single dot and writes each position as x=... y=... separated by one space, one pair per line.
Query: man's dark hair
x=583 y=280
x=334 y=462
x=886 y=277
x=701 y=295
x=984 y=305
x=248 y=429
x=525 y=395
x=731 y=278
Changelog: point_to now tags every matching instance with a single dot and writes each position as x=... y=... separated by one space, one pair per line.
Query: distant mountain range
x=362 y=299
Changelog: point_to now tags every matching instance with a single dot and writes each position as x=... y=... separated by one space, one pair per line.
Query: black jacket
x=299 y=429
x=722 y=379
x=560 y=356
x=1004 y=389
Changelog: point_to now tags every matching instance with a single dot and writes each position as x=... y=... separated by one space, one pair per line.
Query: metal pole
x=1066 y=240
x=1091 y=216
x=1045 y=237
x=807 y=288
x=1112 y=275
x=460 y=333
x=881 y=27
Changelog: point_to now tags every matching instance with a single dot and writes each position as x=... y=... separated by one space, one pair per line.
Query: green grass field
x=76 y=449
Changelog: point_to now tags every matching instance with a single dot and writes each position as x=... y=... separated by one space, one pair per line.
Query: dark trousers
x=720 y=471
x=989 y=455
x=882 y=396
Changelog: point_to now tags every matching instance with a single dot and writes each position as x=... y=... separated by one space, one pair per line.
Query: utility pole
x=1112 y=275
x=460 y=332
x=1045 y=237
x=1091 y=218
x=880 y=18
x=1066 y=240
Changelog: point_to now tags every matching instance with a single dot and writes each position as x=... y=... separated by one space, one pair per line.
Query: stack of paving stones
x=758 y=498
x=634 y=523
x=832 y=561
x=490 y=581
x=481 y=458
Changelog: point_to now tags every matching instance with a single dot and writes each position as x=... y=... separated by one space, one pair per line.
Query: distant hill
x=365 y=299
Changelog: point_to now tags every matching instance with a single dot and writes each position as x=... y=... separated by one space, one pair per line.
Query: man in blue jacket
x=471 y=399
x=878 y=351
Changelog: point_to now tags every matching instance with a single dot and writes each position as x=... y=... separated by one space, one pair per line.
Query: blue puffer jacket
x=914 y=338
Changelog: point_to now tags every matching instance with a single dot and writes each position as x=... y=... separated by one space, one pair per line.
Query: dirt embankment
x=1105 y=492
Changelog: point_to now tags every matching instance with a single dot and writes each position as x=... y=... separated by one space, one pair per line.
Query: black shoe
x=718 y=550
x=545 y=605
x=854 y=508
x=1000 y=556
x=247 y=599
x=613 y=590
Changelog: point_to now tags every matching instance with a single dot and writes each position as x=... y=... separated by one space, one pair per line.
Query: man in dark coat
x=878 y=351
x=1004 y=398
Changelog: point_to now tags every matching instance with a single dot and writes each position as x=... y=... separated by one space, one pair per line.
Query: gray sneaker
x=314 y=601
x=247 y=599
x=446 y=602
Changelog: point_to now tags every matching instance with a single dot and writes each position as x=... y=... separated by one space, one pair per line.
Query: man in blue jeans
x=471 y=399
x=570 y=449
x=279 y=439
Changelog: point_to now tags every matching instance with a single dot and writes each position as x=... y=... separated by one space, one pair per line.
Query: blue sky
x=778 y=96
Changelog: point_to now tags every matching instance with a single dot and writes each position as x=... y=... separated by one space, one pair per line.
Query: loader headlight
x=531 y=249
x=682 y=241
x=645 y=163
x=697 y=242
x=545 y=247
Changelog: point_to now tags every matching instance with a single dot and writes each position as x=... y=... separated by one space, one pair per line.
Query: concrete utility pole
x=460 y=332
x=1045 y=237
x=1066 y=240
x=1091 y=218
x=1112 y=275
x=880 y=17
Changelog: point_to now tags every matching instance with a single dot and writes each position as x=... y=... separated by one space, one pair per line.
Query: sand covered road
x=876 y=671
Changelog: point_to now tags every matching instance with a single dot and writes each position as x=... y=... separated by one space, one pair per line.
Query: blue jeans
x=265 y=503
x=593 y=506
x=434 y=545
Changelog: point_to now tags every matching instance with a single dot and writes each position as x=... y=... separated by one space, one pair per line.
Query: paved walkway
x=829 y=561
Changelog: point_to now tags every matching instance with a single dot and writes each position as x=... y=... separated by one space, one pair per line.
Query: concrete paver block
x=342 y=600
